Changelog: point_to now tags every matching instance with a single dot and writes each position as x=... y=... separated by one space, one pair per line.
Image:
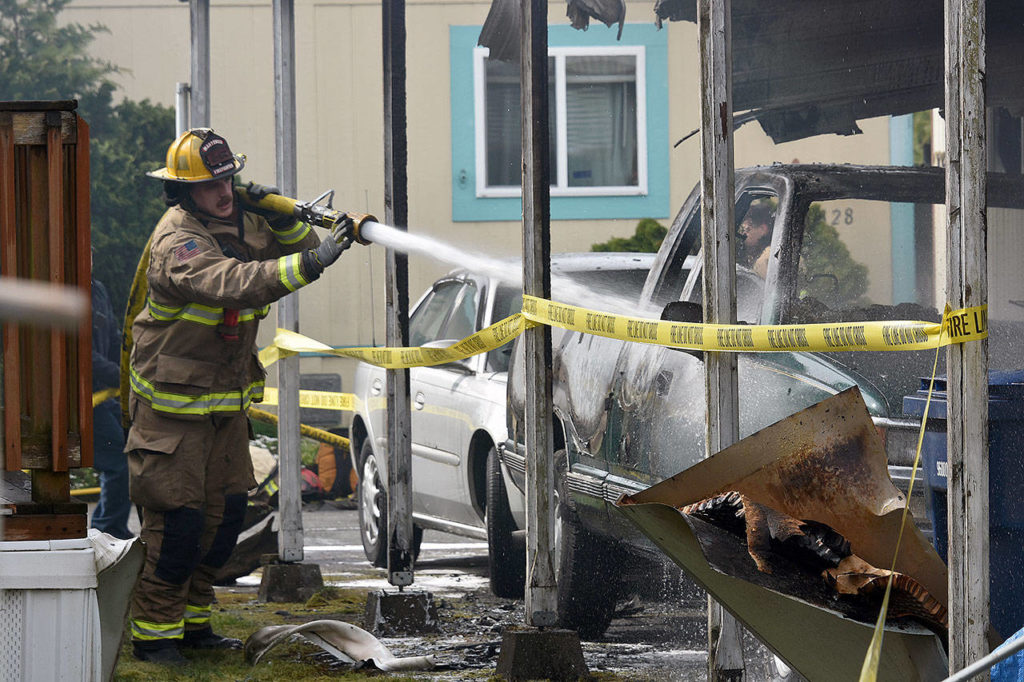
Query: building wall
x=340 y=128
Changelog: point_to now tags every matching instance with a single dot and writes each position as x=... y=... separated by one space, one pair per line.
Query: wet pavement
x=658 y=636
x=652 y=637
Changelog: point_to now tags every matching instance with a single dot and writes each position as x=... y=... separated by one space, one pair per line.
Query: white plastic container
x=49 y=616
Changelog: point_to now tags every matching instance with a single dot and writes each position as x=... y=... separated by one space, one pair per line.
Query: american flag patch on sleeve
x=186 y=251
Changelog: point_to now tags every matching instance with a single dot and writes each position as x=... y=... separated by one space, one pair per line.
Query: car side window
x=507 y=301
x=428 y=321
x=755 y=225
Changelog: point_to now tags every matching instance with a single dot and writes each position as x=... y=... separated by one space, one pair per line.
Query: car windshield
x=755 y=228
x=448 y=312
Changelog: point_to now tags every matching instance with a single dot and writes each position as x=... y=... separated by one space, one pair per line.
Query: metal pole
x=725 y=653
x=289 y=540
x=199 y=15
x=967 y=364
x=396 y=212
x=181 y=104
x=541 y=593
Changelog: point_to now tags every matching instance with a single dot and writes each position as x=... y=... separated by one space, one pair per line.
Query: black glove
x=314 y=261
x=257 y=191
x=277 y=221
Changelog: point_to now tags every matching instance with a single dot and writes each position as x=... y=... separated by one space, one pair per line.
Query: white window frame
x=560 y=185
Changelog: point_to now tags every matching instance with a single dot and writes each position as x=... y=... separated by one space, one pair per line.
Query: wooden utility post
x=396 y=214
x=714 y=17
x=541 y=593
x=290 y=539
x=967 y=364
x=199 y=20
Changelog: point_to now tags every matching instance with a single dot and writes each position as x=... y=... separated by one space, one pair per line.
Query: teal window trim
x=468 y=207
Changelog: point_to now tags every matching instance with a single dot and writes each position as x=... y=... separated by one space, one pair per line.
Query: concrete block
x=289 y=582
x=541 y=654
x=400 y=613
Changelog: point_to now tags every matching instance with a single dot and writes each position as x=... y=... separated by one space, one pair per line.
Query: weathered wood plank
x=58 y=340
x=714 y=25
x=396 y=213
x=30 y=127
x=967 y=364
x=83 y=267
x=44 y=527
x=541 y=593
x=9 y=268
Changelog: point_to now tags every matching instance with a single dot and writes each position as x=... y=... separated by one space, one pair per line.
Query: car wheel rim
x=369 y=494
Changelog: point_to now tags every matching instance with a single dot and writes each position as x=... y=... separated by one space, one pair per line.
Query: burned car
x=813 y=247
x=459 y=412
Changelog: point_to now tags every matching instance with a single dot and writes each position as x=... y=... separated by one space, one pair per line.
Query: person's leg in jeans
x=109 y=459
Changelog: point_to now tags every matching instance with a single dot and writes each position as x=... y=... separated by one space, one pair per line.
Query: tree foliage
x=41 y=59
x=126 y=204
x=646 y=239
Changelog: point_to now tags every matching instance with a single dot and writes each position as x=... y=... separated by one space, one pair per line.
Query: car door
x=441 y=422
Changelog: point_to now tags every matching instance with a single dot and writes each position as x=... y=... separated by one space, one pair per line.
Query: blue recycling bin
x=1005 y=481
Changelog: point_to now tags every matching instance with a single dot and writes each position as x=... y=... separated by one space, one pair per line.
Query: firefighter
x=213 y=272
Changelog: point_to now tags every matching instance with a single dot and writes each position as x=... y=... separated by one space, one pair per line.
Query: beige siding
x=340 y=130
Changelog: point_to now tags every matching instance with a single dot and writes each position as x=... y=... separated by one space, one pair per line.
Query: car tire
x=506 y=557
x=373 y=507
x=372 y=502
x=588 y=587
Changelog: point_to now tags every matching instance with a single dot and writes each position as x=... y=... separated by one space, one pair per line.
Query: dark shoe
x=206 y=639
x=161 y=652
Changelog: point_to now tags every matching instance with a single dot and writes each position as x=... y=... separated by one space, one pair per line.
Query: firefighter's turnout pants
x=190 y=476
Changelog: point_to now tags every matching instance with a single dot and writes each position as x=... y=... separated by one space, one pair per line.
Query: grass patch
x=239 y=614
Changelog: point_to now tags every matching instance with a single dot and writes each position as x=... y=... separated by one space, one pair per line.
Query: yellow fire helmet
x=199 y=155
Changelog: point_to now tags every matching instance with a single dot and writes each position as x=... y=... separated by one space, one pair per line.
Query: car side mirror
x=459 y=366
x=685 y=311
x=462 y=365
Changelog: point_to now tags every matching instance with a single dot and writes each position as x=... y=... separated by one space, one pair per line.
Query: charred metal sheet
x=825 y=464
x=816 y=67
x=501 y=30
x=608 y=12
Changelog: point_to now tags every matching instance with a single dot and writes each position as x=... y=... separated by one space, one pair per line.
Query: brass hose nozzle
x=358 y=220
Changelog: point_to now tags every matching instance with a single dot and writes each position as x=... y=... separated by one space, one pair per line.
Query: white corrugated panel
x=49 y=617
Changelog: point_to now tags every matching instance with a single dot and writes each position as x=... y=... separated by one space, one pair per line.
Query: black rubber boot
x=163 y=652
x=206 y=639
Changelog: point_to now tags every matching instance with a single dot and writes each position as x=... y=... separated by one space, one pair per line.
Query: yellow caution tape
x=321 y=400
x=104 y=395
x=86 y=492
x=967 y=324
x=288 y=343
x=958 y=326
x=305 y=430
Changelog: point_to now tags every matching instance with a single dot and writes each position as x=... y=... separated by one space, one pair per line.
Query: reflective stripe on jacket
x=181 y=362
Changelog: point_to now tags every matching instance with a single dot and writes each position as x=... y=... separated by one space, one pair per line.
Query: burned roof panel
x=817 y=67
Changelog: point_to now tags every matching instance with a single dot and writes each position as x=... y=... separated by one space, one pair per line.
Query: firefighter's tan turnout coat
x=183 y=363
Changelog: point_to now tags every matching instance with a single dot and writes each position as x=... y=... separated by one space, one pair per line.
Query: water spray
x=367 y=229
